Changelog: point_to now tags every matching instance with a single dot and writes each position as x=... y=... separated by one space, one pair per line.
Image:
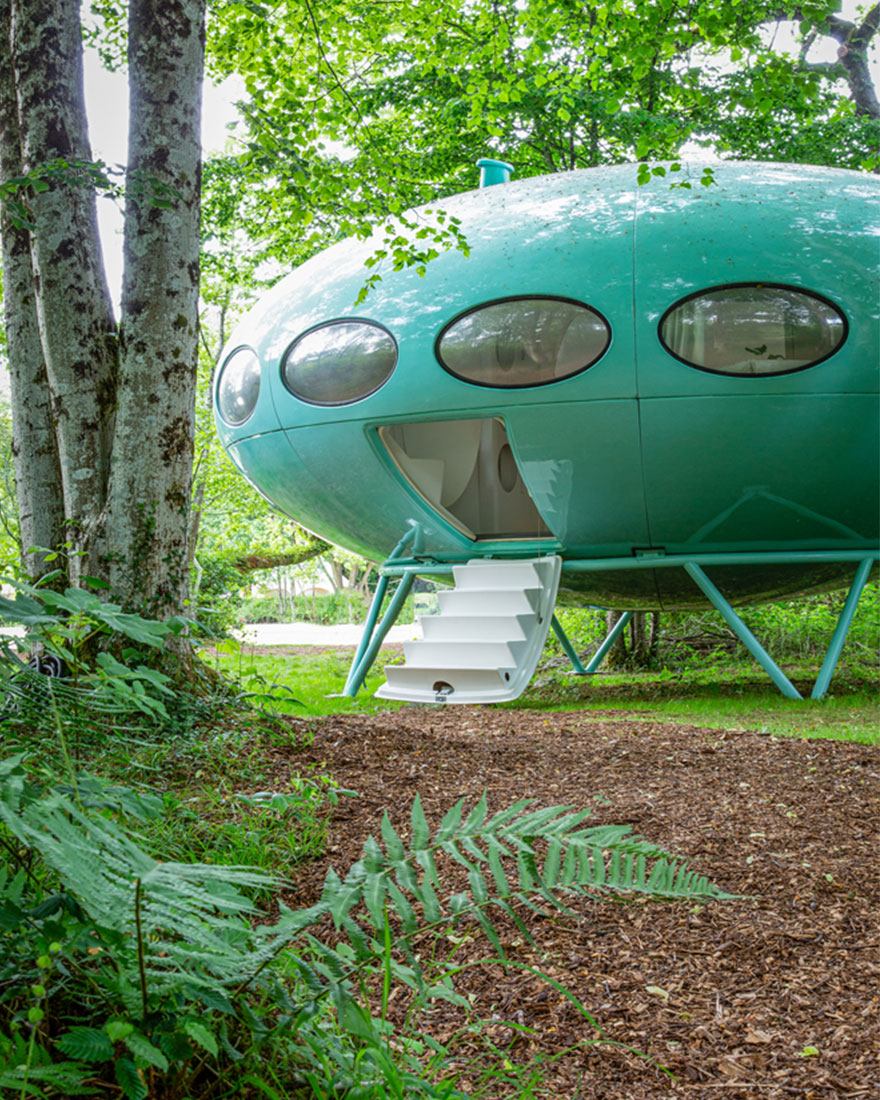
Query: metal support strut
x=742 y=632
x=407 y=569
x=599 y=656
x=373 y=636
x=841 y=630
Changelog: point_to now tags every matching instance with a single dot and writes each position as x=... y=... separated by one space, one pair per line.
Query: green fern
x=501 y=857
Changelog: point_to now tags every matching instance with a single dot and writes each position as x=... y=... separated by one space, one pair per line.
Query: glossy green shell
x=639 y=451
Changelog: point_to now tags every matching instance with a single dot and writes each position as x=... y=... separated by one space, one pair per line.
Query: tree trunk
x=616 y=656
x=146 y=527
x=642 y=642
x=34 y=447
x=74 y=313
x=104 y=420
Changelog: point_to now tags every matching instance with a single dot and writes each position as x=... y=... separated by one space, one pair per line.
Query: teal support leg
x=369 y=627
x=563 y=639
x=359 y=671
x=356 y=673
x=841 y=630
x=612 y=636
x=742 y=632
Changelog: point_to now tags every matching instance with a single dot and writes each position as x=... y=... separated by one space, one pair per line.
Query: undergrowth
x=123 y=973
x=143 y=949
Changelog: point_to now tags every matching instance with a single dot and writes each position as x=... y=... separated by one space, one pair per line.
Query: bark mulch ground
x=773 y=995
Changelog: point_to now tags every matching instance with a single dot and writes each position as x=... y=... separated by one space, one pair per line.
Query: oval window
x=523 y=342
x=238 y=386
x=339 y=362
x=752 y=329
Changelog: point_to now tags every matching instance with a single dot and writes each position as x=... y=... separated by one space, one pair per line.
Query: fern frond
x=531 y=856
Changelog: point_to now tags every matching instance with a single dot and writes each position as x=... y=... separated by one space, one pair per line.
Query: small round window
x=752 y=329
x=523 y=342
x=339 y=362
x=238 y=386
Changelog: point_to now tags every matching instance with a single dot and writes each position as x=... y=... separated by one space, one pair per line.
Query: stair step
x=458 y=653
x=485 y=643
x=493 y=601
x=423 y=685
x=488 y=628
x=495 y=574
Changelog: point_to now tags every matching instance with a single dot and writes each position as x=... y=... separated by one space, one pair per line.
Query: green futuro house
x=648 y=381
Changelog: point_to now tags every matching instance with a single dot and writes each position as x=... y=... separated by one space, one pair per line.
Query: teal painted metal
x=355 y=676
x=359 y=674
x=599 y=656
x=494 y=171
x=661 y=561
x=703 y=462
x=366 y=636
x=742 y=632
x=769 y=477
x=610 y=638
x=567 y=647
x=842 y=629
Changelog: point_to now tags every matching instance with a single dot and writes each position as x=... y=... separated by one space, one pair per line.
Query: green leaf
x=477 y=815
x=87 y=1044
x=118 y=1029
x=374 y=897
x=497 y=868
x=129 y=1080
x=420 y=831
x=393 y=844
x=552 y=862
x=451 y=822
x=200 y=1035
x=144 y=1051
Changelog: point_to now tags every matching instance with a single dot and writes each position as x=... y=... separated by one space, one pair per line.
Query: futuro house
x=629 y=396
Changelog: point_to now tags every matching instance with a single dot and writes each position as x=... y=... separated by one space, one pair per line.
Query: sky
x=107 y=108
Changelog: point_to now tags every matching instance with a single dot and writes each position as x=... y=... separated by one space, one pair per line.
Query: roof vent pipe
x=493 y=171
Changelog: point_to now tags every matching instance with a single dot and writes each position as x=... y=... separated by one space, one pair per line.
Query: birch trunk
x=104 y=417
x=74 y=315
x=149 y=492
x=34 y=447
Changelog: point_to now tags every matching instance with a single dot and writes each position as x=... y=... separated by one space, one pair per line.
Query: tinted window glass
x=523 y=342
x=339 y=362
x=752 y=330
x=239 y=386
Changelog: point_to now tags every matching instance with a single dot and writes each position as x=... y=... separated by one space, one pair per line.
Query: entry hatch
x=466 y=471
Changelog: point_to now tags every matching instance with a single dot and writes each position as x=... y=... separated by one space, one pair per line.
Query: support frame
x=407 y=569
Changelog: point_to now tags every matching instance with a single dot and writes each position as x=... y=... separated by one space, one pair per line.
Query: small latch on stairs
x=442 y=691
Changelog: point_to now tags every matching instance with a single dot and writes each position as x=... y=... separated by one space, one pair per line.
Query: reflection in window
x=339 y=362
x=239 y=386
x=757 y=329
x=523 y=342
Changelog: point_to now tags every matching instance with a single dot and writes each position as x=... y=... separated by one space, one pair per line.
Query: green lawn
x=735 y=695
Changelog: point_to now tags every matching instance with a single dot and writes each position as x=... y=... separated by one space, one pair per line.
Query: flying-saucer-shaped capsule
x=614 y=369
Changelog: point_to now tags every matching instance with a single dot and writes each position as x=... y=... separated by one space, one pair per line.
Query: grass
x=724 y=695
x=305 y=683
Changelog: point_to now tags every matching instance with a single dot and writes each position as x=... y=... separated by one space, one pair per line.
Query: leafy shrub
x=219 y=594
x=330 y=609
x=98 y=656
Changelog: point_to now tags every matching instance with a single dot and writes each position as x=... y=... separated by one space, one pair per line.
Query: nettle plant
x=122 y=973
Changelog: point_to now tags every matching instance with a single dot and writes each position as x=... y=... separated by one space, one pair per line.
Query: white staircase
x=485 y=643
